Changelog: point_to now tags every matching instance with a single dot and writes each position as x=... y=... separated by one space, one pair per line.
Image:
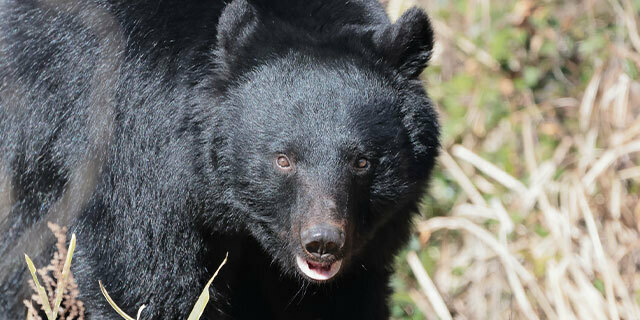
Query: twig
x=588 y=99
x=489 y=169
x=462 y=179
x=428 y=287
x=601 y=259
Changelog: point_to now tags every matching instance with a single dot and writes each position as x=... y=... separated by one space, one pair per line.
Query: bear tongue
x=318 y=271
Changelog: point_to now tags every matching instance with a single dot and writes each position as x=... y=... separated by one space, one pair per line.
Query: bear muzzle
x=323 y=245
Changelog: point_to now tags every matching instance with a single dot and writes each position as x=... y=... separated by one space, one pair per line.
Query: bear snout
x=323 y=241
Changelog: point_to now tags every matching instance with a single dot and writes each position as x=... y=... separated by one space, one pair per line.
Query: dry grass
x=57 y=298
x=544 y=214
x=53 y=275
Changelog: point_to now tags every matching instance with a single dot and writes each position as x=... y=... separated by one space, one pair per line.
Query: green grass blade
x=62 y=282
x=198 y=308
x=41 y=292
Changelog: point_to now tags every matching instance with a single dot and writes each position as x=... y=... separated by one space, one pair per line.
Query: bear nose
x=323 y=241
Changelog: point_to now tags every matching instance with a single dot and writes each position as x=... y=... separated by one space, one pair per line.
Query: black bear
x=294 y=135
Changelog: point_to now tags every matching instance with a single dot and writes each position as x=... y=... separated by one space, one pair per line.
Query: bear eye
x=283 y=162
x=362 y=163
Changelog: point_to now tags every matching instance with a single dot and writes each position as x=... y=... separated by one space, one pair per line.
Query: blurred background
x=534 y=210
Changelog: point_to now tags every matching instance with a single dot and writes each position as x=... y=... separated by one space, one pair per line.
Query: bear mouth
x=318 y=271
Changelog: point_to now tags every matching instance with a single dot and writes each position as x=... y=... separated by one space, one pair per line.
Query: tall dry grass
x=543 y=218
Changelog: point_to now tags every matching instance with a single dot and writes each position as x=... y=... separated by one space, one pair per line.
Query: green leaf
x=541 y=231
x=458 y=271
x=599 y=284
x=591 y=45
x=531 y=76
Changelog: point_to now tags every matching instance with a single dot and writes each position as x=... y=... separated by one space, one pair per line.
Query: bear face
x=320 y=148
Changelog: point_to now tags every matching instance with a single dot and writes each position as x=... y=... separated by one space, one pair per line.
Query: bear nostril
x=314 y=247
x=330 y=247
x=322 y=241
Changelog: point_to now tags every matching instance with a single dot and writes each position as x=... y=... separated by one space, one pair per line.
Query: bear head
x=320 y=131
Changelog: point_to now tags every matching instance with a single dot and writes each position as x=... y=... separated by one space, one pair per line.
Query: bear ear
x=407 y=44
x=236 y=27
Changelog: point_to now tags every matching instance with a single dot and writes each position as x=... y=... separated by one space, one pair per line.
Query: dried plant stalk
x=70 y=307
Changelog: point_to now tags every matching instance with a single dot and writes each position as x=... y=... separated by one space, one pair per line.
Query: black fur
x=154 y=126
